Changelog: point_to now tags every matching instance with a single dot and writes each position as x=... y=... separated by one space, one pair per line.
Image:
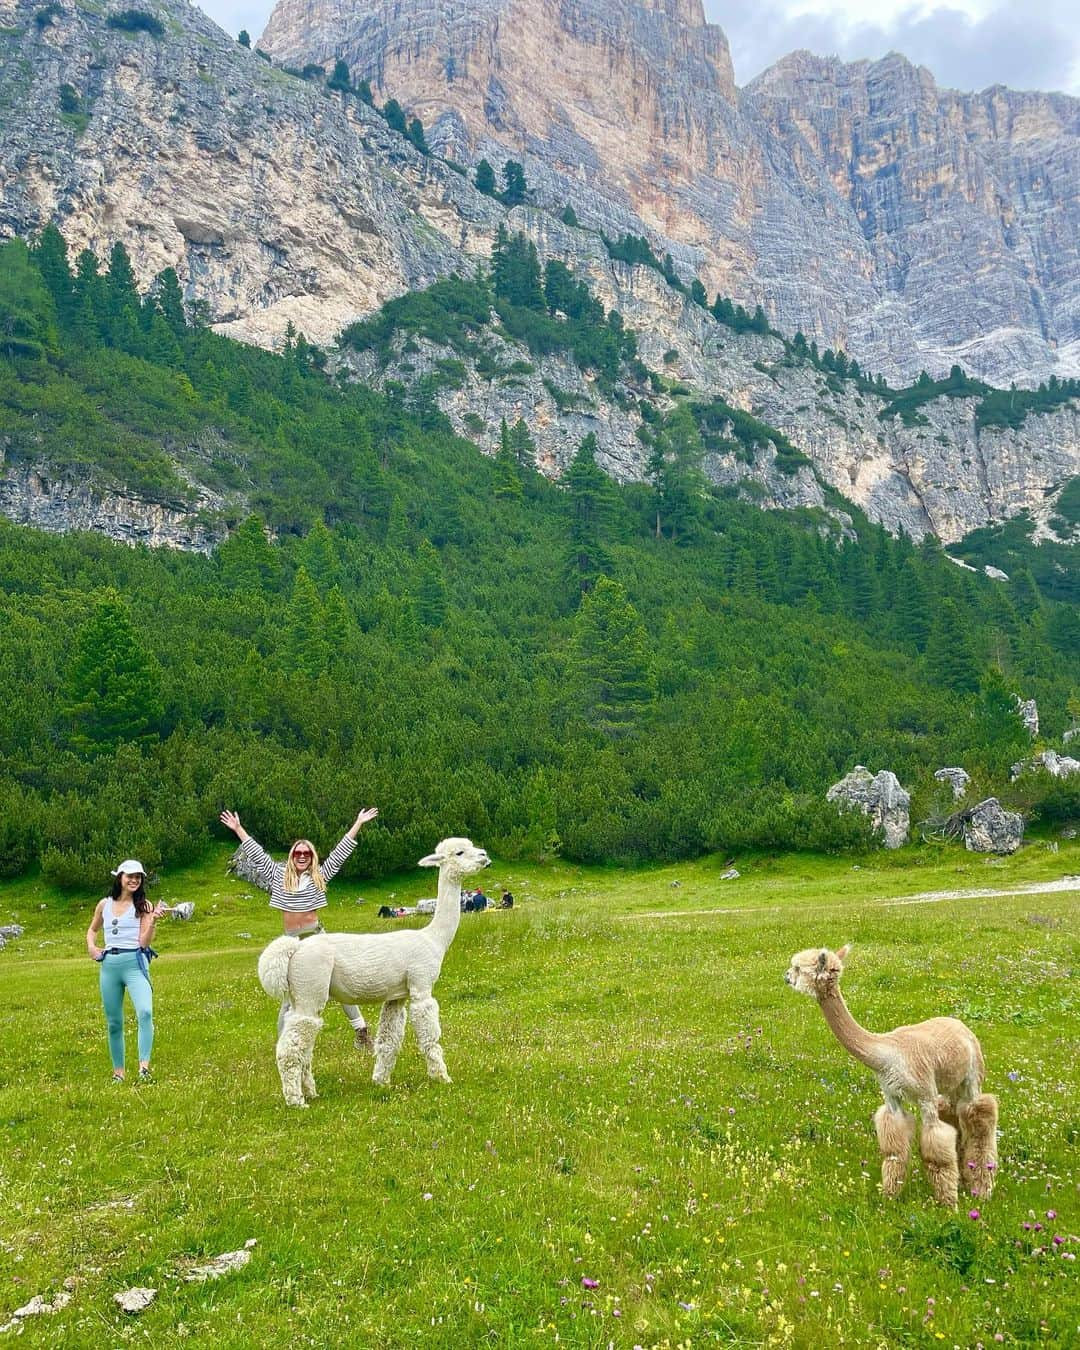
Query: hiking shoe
x=118 y=1078
x=362 y=1041
x=145 y=1076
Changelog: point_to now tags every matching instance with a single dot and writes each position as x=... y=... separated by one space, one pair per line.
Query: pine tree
x=611 y=668
x=507 y=478
x=248 y=561
x=395 y=116
x=318 y=558
x=416 y=135
x=340 y=80
x=485 y=178
x=950 y=657
x=516 y=271
x=522 y=445
x=112 y=693
x=590 y=493
x=516 y=190
x=50 y=257
x=170 y=300
x=304 y=646
x=429 y=587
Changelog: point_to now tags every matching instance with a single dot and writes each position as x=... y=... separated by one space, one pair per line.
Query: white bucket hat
x=130 y=866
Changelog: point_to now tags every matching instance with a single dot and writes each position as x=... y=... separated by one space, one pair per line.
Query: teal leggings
x=120 y=971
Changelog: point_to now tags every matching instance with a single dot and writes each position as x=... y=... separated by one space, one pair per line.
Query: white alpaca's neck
x=444 y=925
x=866 y=1046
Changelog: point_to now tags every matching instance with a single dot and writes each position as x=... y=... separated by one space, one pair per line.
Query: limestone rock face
x=274 y=201
x=1028 y=712
x=989 y=828
x=278 y=202
x=957 y=778
x=913 y=226
x=32 y=494
x=878 y=796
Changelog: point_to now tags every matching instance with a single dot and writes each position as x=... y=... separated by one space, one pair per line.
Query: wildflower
x=428 y=1195
x=586 y=1283
x=973 y=1213
x=1051 y=1213
x=1013 y=1077
x=1058 y=1240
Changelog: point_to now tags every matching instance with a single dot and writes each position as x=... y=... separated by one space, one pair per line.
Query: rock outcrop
x=33 y=494
x=279 y=202
x=989 y=828
x=957 y=779
x=913 y=226
x=1028 y=712
x=878 y=796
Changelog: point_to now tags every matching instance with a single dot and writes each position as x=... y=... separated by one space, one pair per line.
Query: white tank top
x=120 y=930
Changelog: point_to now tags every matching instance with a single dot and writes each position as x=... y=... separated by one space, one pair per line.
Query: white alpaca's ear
x=432 y=860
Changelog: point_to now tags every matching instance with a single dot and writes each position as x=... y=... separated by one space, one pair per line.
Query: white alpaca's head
x=814 y=970
x=459 y=856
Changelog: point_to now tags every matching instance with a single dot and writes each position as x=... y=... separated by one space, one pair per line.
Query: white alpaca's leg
x=895 y=1131
x=388 y=1039
x=978 y=1144
x=425 y=1015
x=294 y=1052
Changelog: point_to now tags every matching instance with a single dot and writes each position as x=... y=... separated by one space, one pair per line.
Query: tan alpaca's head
x=460 y=856
x=816 y=969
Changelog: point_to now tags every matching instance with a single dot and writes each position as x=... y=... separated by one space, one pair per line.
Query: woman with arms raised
x=298 y=889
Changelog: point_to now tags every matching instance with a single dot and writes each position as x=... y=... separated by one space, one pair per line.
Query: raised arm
x=91 y=933
x=340 y=855
x=147 y=924
x=266 y=870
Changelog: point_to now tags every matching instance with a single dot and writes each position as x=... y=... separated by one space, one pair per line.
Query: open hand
x=231 y=821
x=368 y=813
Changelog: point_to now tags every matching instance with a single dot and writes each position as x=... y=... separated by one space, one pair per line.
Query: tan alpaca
x=936 y=1064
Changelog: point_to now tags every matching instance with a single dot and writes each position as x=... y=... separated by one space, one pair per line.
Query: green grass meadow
x=649 y=1140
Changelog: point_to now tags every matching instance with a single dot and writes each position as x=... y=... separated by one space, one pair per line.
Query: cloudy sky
x=968 y=44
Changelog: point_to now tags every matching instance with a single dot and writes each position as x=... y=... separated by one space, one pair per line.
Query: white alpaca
x=385 y=968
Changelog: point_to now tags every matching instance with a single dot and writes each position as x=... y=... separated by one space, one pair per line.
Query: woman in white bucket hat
x=127 y=920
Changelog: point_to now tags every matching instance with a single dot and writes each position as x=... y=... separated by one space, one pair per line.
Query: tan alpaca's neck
x=447 y=909
x=865 y=1046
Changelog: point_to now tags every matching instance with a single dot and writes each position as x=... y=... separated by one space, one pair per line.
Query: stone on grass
x=135 y=1300
x=878 y=796
x=989 y=828
x=224 y=1264
x=729 y=875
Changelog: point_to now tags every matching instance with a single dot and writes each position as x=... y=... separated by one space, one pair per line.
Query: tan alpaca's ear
x=844 y=950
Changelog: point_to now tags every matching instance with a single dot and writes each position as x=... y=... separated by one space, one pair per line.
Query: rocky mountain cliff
x=280 y=202
x=913 y=226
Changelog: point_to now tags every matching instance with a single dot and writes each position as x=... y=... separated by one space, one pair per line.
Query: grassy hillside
x=454 y=638
x=649 y=1139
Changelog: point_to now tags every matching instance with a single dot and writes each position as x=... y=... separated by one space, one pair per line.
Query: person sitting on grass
x=298 y=889
x=128 y=920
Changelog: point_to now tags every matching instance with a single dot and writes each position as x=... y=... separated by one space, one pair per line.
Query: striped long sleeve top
x=270 y=876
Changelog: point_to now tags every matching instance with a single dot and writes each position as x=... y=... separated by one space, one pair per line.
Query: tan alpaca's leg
x=948 y=1113
x=938 y=1147
x=295 y=1048
x=388 y=1039
x=895 y=1131
x=978 y=1144
x=425 y=1015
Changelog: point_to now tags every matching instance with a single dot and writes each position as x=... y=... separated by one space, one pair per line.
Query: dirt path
x=1069 y=883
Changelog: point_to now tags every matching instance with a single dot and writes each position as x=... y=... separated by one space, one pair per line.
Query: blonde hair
x=292 y=876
